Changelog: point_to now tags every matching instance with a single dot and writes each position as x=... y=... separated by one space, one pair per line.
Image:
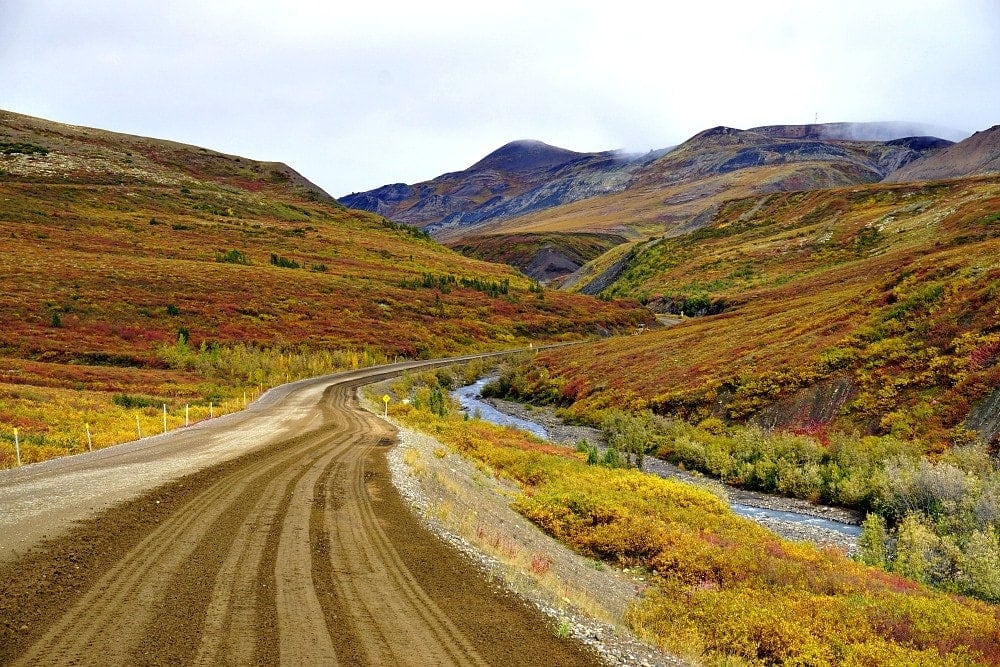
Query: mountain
x=721 y=150
x=517 y=178
x=668 y=192
x=529 y=187
x=979 y=154
x=525 y=157
x=139 y=272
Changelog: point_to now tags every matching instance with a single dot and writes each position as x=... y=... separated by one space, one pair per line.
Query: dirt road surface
x=271 y=536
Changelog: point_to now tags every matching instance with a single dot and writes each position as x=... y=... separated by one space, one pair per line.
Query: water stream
x=470 y=400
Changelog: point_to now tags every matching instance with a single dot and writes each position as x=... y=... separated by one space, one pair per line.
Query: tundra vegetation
x=858 y=344
x=184 y=277
x=723 y=589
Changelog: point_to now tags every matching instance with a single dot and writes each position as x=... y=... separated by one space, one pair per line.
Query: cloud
x=363 y=94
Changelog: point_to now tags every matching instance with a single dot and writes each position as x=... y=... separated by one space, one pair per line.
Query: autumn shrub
x=284 y=262
x=724 y=589
x=943 y=523
x=232 y=257
x=129 y=401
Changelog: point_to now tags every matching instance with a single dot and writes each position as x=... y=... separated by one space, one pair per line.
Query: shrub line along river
x=469 y=397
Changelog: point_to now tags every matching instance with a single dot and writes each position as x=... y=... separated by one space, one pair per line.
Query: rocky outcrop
x=544 y=257
x=985 y=417
x=549 y=264
x=608 y=276
x=810 y=406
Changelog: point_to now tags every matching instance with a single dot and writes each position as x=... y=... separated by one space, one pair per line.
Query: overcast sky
x=377 y=92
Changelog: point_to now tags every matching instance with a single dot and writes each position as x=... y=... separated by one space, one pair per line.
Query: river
x=471 y=401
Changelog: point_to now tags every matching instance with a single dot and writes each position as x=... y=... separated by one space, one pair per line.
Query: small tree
x=981 y=574
x=632 y=435
x=438 y=402
x=871 y=543
x=914 y=547
x=593 y=455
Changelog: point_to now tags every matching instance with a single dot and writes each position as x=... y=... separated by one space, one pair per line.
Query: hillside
x=544 y=257
x=868 y=309
x=977 y=155
x=143 y=272
x=840 y=346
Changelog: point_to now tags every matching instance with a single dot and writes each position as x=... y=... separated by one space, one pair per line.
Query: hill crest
x=526 y=155
x=47 y=151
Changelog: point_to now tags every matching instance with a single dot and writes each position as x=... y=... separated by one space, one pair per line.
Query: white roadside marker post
x=138 y=427
x=164 y=417
x=90 y=444
x=17 y=447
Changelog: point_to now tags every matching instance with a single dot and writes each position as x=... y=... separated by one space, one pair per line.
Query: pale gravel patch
x=449 y=483
x=58 y=164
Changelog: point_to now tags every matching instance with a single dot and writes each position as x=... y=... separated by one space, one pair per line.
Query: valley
x=832 y=334
x=807 y=311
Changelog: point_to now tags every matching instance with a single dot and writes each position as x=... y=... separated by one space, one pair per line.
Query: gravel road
x=271 y=536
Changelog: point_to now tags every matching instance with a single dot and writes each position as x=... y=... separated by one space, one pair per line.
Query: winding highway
x=270 y=536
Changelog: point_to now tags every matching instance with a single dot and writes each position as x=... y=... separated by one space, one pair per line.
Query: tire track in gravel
x=300 y=553
x=151 y=585
x=405 y=628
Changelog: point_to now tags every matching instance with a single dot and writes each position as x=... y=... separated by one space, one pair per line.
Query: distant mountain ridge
x=722 y=149
x=870 y=131
x=977 y=155
x=517 y=178
x=526 y=177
